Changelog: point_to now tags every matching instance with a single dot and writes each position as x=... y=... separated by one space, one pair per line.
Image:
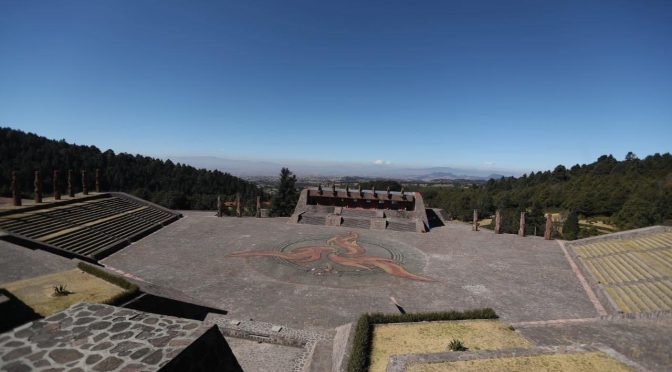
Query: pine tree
x=284 y=200
x=570 y=229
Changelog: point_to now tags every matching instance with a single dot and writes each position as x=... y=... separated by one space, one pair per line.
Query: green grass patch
x=360 y=356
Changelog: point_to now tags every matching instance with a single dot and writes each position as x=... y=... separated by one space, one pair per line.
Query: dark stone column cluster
x=56 y=185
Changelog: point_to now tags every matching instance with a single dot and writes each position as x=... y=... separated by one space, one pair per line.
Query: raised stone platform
x=98 y=337
x=362 y=209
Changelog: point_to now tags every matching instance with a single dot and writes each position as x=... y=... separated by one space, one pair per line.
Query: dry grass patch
x=432 y=337
x=38 y=292
x=571 y=362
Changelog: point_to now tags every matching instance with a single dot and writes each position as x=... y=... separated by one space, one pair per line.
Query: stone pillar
x=549 y=227
x=85 y=188
x=97 y=180
x=71 y=190
x=319 y=189
x=521 y=228
x=57 y=190
x=258 y=214
x=238 y=205
x=474 y=227
x=361 y=193
x=389 y=194
x=16 y=193
x=219 y=206
x=498 y=222
x=38 y=188
x=333 y=189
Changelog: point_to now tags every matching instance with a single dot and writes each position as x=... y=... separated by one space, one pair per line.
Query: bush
x=131 y=290
x=456 y=345
x=361 y=345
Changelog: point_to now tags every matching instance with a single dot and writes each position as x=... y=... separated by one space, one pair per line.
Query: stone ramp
x=88 y=228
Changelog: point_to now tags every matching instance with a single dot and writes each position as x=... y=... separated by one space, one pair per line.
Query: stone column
x=16 y=194
x=71 y=190
x=521 y=229
x=38 y=188
x=498 y=222
x=549 y=227
x=474 y=227
x=97 y=180
x=85 y=189
x=219 y=206
x=57 y=190
x=258 y=214
x=238 y=205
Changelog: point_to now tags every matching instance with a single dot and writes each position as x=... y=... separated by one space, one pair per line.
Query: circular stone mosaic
x=343 y=260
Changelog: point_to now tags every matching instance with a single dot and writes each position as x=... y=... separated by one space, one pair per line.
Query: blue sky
x=513 y=85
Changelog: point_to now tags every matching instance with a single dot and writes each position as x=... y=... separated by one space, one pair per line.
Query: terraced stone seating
x=635 y=272
x=91 y=228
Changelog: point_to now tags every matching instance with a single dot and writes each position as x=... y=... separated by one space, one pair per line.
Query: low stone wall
x=399 y=363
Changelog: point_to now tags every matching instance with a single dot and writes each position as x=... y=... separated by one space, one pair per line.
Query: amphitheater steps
x=91 y=228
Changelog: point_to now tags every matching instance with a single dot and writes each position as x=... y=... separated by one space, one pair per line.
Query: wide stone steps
x=401 y=226
x=312 y=220
x=91 y=228
x=359 y=223
x=361 y=213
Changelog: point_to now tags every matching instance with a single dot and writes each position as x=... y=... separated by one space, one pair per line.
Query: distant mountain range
x=251 y=168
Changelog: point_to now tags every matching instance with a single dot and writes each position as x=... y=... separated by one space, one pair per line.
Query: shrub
x=361 y=345
x=61 y=290
x=456 y=345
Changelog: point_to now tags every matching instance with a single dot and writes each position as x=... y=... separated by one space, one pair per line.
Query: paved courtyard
x=299 y=276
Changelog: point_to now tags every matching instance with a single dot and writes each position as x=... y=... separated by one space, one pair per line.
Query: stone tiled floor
x=524 y=279
x=96 y=337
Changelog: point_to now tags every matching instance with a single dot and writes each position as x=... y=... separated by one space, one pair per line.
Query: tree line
x=630 y=193
x=173 y=185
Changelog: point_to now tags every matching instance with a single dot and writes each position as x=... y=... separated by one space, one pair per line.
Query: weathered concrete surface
x=646 y=342
x=18 y=262
x=524 y=279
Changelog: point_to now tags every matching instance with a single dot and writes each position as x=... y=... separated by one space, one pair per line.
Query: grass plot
x=432 y=337
x=39 y=293
x=570 y=362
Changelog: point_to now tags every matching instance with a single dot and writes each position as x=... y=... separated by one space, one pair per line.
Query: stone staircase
x=358 y=223
x=313 y=219
x=360 y=213
x=401 y=226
